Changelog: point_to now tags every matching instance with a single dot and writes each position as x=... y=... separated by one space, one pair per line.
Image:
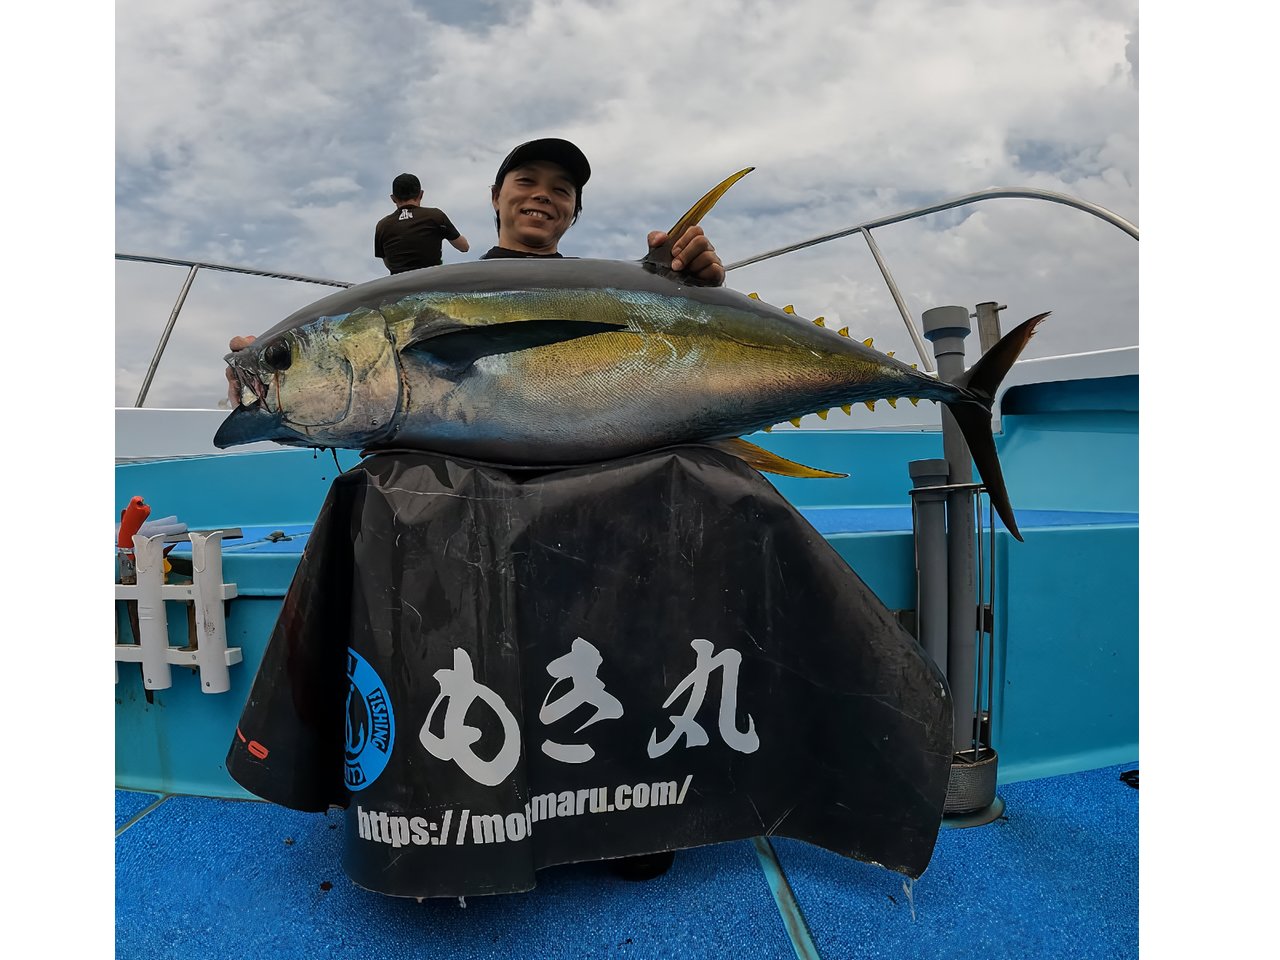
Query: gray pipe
x=946 y=328
x=930 y=516
x=988 y=317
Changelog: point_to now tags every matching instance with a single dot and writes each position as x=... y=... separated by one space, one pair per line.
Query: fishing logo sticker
x=371 y=724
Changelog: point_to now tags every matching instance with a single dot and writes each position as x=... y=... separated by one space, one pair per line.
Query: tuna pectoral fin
x=660 y=257
x=768 y=462
x=461 y=346
x=980 y=382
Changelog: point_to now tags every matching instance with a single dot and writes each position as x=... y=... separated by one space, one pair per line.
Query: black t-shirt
x=502 y=253
x=411 y=238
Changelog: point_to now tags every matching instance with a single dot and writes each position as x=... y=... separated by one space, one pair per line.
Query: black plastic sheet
x=495 y=671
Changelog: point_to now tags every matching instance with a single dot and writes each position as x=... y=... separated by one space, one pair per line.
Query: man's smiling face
x=535 y=204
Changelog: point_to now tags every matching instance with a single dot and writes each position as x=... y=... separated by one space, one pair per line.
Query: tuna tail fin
x=660 y=257
x=980 y=382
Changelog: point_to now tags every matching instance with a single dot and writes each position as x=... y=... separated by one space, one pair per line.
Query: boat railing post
x=929 y=522
x=164 y=337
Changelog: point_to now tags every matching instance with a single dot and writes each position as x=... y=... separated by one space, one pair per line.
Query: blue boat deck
x=1056 y=876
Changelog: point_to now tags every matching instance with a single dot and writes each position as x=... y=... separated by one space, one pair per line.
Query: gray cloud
x=267 y=134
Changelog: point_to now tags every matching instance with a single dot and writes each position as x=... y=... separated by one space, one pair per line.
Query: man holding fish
x=537 y=197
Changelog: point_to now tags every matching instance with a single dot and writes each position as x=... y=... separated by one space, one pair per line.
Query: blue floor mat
x=1057 y=878
x=130 y=803
x=200 y=878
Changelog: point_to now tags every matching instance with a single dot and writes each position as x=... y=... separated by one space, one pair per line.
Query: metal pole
x=897 y=298
x=1102 y=213
x=988 y=317
x=164 y=340
x=946 y=328
x=930 y=516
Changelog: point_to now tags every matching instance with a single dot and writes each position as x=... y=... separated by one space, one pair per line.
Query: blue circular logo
x=371 y=724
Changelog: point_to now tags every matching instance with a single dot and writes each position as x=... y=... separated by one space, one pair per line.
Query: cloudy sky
x=267 y=134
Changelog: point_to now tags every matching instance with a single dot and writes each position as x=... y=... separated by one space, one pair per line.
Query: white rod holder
x=153 y=619
x=210 y=655
x=211 y=631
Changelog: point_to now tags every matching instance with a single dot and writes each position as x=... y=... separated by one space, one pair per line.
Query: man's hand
x=693 y=254
x=233 y=388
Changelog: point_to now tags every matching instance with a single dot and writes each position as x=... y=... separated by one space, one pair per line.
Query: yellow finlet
x=843 y=331
x=893 y=402
x=820 y=323
x=768 y=462
x=869 y=342
x=795 y=422
x=913 y=366
x=789 y=309
x=768 y=429
x=848 y=409
x=915 y=401
x=889 y=354
x=871 y=404
x=754 y=296
x=822 y=414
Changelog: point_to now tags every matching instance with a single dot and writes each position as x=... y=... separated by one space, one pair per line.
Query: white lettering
x=580 y=667
x=458 y=686
x=727 y=661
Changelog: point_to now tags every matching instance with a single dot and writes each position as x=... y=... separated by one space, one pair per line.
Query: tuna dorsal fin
x=462 y=344
x=767 y=462
x=660 y=257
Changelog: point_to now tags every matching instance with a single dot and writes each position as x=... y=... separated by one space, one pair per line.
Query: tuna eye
x=277 y=356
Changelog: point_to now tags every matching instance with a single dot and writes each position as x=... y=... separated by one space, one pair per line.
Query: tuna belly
x=540 y=433
x=506 y=416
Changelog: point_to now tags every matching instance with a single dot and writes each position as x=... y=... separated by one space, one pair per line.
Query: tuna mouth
x=250 y=389
x=248 y=424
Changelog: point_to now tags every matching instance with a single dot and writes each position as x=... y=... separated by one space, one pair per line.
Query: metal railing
x=863 y=228
x=195 y=266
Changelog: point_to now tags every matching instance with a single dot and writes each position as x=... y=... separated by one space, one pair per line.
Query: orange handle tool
x=133 y=517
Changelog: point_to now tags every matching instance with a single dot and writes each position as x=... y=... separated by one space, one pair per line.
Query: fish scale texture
x=201 y=878
x=1057 y=880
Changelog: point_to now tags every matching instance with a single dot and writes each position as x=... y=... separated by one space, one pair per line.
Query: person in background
x=412 y=237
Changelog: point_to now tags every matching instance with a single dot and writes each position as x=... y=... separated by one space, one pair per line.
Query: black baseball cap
x=405 y=187
x=555 y=150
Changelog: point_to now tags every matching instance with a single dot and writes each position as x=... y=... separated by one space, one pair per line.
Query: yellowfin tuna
x=529 y=363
